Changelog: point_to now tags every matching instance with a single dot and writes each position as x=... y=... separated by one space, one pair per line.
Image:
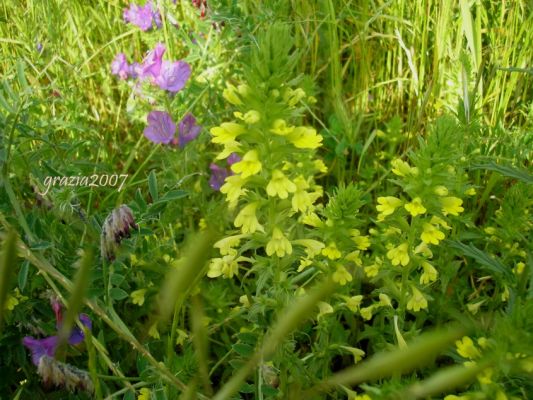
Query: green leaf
x=23 y=275
x=243 y=349
x=152 y=186
x=118 y=294
x=506 y=170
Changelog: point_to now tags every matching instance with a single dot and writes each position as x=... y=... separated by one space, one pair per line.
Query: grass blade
x=7 y=267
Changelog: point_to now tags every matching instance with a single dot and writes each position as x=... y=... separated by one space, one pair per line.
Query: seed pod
x=60 y=374
x=116 y=226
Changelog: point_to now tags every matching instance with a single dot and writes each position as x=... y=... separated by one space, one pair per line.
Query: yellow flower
x=341 y=275
x=467 y=349
x=279 y=127
x=293 y=96
x=231 y=95
x=354 y=302
x=154 y=332
x=441 y=190
x=301 y=200
x=417 y=301
x=430 y=273
x=251 y=117
x=439 y=221
x=226 y=132
x=415 y=207
x=244 y=300
x=247 y=220
x=424 y=249
x=229 y=148
x=470 y=191
x=304 y=263
x=227 y=266
x=11 y=303
x=387 y=205
x=361 y=397
x=355 y=257
x=451 y=205
x=401 y=168
x=485 y=376
x=366 y=312
x=248 y=166
x=232 y=187
x=137 y=296
x=431 y=234
x=304 y=137
x=320 y=166
x=362 y=242
x=519 y=269
x=331 y=251
x=279 y=185
x=323 y=309
x=384 y=300
x=399 y=255
x=312 y=247
x=144 y=394
x=312 y=219
x=278 y=244
x=182 y=335
x=226 y=245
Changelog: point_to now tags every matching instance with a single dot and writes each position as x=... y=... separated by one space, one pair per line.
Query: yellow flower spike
x=229 y=148
x=429 y=273
x=280 y=185
x=232 y=187
x=341 y=275
x=353 y=303
x=441 y=190
x=415 y=207
x=323 y=309
x=467 y=349
x=304 y=263
x=312 y=247
x=417 y=301
x=304 y=137
x=431 y=234
x=226 y=132
x=231 y=95
x=248 y=166
x=366 y=312
x=280 y=127
x=226 y=245
x=247 y=220
x=320 y=166
x=278 y=244
x=451 y=205
x=137 y=296
x=387 y=205
x=399 y=255
x=331 y=251
x=401 y=168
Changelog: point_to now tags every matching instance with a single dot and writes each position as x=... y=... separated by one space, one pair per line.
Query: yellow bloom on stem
x=415 y=207
x=320 y=166
x=470 y=191
x=226 y=132
x=280 y=127
x=355 y=257
x=247 y=220
x=441 y=190
x=312 y=219
x=417 y=300
x=353 y=303
x=467 y=349
x=323 y=309
x=248 y=166
x=399 y=254
x=361 y=242
x=366 y=312
x=226 y=245
x=304 y=263
x=384 y=300
x=231 y=95
x=401 y=168
x=304 y=137
x=154 y=332
x=278 y=244
x=227 y=266
x=251 y=117
x=451 y=205
x=301 y=200
x=229 y=148
x=280 y=185
x=232 y=187
x=439 y=221
x=137 y=296
x=312 y=247
x=431 y=234
x=331 y=251
x=430 y=273
x=388 y=204
x=341 y=275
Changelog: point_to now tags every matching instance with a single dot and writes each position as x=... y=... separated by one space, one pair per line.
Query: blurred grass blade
x=506 y=170
x=445 y=380
x=400 y=361
x=77 y=296
x=200 y=341
x=290 y=318
x=7 y=267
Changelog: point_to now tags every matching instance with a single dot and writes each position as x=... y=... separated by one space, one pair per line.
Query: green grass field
x=278 y=199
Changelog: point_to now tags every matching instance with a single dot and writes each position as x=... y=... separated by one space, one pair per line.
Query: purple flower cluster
x=161 y=129
x=219 y=174
x=143 y=16
x=47 y=346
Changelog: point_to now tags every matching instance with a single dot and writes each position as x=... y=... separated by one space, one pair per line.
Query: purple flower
x=151 y=65
x=143 y=16
x=39 y=47
x=160 y=127
x=173 y=75
x=218 y=175
x=47 y=346
x=233 y=158
x=120 y=66
x=187 y=130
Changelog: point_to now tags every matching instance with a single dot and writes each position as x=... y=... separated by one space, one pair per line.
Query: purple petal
x=160 y=127
x=76 y=335
x=188 y=130
x=233 y=158
x=120 y=66
x=140 y=16
x=173 y=75
x=151 y=65
x=218 y=175
x=40 y=347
